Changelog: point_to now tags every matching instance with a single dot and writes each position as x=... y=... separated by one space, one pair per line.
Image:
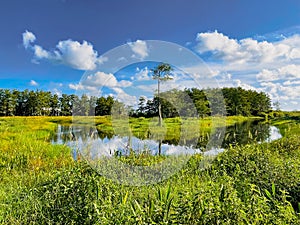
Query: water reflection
x=97 y=143
x=249 y=132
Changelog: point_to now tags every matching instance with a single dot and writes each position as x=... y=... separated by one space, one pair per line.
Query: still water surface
x=83 y=139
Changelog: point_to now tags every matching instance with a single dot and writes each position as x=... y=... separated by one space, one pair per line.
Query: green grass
x=251 y=184
x=288 y=123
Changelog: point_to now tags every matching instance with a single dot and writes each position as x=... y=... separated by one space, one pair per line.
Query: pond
x=82 y=139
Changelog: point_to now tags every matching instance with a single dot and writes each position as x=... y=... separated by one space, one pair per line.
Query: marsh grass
x=251 y=184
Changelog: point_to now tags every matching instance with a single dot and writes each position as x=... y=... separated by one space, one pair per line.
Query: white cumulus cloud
x=93 y=83
x=142 y=74
x=139 y=48
x=81 y=56
x=248 y=50
x=239 y=83
x=220 y=45
x=124 y=97
x=100 y=79
x=41 y=53
x=81 y=87
x=288 y=82
x=125 y=83
x=288 y=72
x=28 y=38
x=77 y=55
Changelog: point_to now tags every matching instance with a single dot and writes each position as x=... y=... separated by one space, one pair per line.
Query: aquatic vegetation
x=250 y=184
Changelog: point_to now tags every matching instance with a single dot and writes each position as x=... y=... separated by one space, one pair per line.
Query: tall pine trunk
x=159 y=105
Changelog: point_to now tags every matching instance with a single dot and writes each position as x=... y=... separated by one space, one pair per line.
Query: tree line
x=45 y=103
x=189 y=102
x=194 y=102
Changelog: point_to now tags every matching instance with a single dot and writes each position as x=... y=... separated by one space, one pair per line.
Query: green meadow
x=40 y=183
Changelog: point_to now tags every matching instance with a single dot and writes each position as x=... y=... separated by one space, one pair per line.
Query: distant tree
x=263 y=102
x=93 y=103
x=161 y=73
x=76 y=107
x=200 y=101
x=9 y=102
x=65 y=105
x=84 y=105
x=142 y=106
x=54 y=105
x=216 y=101
x=236 y=100
x=44 y=100
x=32 y=104
x=276 y=105
x=2 y=102
x=119 y=109
x=22 y=106
x=104 y=106
x=151 y=108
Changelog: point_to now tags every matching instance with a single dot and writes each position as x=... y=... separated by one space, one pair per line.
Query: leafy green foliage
x=173 y=103
x=251 y=184
x=43 y=103
x=194 y=102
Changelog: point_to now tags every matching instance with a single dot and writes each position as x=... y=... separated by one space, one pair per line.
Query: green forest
x=43 y=103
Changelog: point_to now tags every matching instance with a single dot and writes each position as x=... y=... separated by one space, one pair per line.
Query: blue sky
x=58 y=45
